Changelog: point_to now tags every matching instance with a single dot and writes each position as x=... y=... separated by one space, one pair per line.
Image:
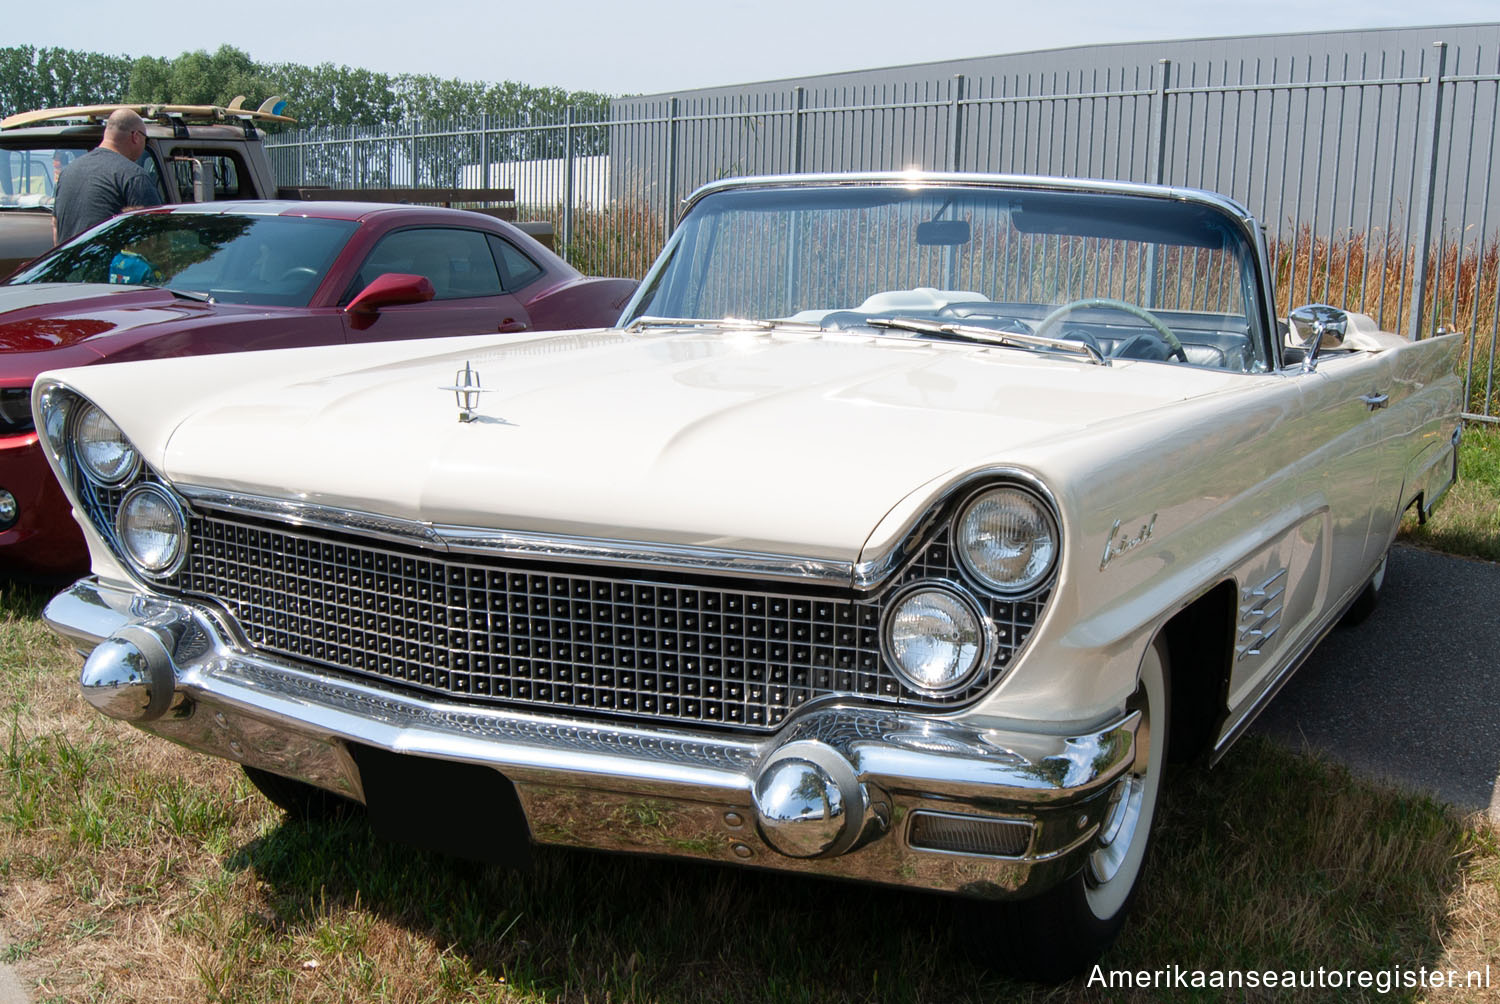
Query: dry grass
x=621 y=240
x=132 y=870
x=1375 y=275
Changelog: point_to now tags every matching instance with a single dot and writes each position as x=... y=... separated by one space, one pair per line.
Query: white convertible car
x=900 y=531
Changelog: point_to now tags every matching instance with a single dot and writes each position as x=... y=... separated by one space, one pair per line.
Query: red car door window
x=468 y=296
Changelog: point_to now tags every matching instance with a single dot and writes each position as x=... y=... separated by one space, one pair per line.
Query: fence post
x=1426 y=199
x=670 y=212
x=799 y=102
x=484 y=151
x=567 y=219
x=1159 y=148
x=956 y=124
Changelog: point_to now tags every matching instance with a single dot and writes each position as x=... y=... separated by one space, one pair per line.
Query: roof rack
x=270 y=110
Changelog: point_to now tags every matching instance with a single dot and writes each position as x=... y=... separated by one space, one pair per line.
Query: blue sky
x=647 y=46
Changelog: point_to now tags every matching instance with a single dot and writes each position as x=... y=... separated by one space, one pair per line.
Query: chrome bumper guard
x=875 y=795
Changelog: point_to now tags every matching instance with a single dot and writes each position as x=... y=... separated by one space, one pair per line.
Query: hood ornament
x=466 y=391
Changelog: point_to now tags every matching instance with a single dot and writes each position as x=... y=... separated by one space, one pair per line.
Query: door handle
x=1375 y=401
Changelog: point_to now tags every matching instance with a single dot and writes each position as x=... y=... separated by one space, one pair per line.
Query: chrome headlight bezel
x=79 y=450
x=164 y=569
x=1038 y=575
x=983 y=639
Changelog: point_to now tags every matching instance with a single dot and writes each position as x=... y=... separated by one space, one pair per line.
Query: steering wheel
x=1052 y=320
x=298 y=272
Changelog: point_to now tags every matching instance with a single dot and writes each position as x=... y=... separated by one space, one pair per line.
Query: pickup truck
x=195 y=152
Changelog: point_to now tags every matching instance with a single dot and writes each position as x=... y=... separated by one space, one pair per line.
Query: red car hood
x=42 y=317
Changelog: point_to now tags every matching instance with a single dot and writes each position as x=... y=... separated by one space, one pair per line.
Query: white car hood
x=777 y=443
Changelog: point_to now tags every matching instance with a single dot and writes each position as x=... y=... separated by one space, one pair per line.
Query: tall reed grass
x=1375 y=274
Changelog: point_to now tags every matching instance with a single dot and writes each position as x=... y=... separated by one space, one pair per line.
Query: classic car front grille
x=718 y=653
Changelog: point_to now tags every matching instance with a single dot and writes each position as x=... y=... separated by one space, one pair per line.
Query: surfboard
x=197 y=113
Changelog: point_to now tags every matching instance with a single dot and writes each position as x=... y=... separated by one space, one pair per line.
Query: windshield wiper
x=733 y=323
x=185 y=294
x=1009 y=339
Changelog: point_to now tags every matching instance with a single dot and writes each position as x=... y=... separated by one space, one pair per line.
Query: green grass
x=132 y=870
x=1467 y=521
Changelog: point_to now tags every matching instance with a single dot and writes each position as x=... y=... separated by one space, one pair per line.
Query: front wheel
x=1064 y=930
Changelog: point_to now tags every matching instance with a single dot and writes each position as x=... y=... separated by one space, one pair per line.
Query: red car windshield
x=232 y=257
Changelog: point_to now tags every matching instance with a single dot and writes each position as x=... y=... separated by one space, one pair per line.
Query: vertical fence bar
x=669 y=213
x=1160 y=123
x=956 y=124
x=1426 y=200
x=566 y=244
x=799 y=126
x=484 y=151
x=794 y=225
x=1159 y=170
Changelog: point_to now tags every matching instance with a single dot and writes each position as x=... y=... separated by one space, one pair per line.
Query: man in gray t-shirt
x=106 y=180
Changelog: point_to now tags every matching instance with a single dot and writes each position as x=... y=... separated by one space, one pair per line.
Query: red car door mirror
x=390 y=290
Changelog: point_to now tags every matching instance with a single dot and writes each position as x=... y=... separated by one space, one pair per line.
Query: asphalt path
x=1411 y=696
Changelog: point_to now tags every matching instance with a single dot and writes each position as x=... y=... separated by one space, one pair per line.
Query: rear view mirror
x=1319 y=326
x=943 y=233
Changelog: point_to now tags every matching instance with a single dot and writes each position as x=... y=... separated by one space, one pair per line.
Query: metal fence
x=1371 y=167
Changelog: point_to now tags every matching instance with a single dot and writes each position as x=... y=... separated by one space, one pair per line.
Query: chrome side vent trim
x=1260 y=615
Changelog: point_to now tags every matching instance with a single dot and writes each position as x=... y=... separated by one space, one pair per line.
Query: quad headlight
x=1007 y=539
x=107 y=457
x=935 y=638
x=152 y=530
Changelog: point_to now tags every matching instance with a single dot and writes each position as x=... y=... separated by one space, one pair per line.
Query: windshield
x=1128 y=276
x=28 y=176
x=232 y=257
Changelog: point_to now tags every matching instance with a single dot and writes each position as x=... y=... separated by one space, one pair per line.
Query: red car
x=190 y=279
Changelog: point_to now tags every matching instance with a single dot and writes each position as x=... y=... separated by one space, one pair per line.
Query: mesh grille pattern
x=740 y=658
x=503 y=631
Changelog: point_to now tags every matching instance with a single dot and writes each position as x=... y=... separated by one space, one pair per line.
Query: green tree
x=32 y=77
x=199 y=78
x=328 y=95
x=319 y=97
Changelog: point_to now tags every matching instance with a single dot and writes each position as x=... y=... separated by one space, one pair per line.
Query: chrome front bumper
x=863 y=793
